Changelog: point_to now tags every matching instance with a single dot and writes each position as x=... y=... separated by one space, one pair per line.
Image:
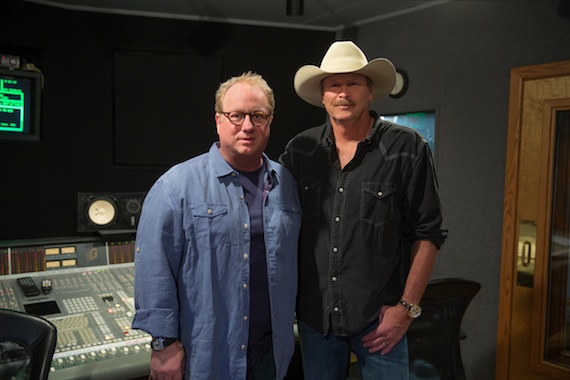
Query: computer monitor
x=20 y=104
x=421 y=121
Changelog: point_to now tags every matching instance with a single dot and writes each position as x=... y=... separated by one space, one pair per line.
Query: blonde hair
x=250 y=78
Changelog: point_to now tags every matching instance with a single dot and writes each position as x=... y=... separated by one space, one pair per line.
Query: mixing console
x=89 y=301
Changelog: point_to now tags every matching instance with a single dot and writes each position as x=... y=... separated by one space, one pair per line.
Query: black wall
x=127 y=97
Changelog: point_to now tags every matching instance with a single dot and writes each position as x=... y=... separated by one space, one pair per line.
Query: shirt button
x=334 y=278
x=245 y=256
x=242 y=197
x=210 y=211
x=337 y=219
x=234 y=174
x=138 y=249
x=245 y=317
x=243 y=347
x=335 y=249
x=335 y=308
x=244 y=286
x=340 y=190
x=379 y=193
x=246 y=226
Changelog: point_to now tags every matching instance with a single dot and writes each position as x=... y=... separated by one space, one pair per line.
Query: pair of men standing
x=216 y=260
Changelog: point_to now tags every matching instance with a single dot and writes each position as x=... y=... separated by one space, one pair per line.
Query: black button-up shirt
x=360 y=222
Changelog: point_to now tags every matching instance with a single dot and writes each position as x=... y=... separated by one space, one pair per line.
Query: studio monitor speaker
x=108 y=212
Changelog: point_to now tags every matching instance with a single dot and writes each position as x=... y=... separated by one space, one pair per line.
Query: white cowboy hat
x=344 y=57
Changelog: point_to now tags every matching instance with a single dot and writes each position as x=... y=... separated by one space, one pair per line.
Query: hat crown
x=343 y=57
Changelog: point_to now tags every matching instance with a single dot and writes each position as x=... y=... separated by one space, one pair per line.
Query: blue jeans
x=326 y=357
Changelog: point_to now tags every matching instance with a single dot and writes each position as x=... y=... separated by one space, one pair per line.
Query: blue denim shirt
x=192 y=267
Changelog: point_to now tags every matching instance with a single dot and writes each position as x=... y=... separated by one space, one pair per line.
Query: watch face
x=415 y=311
x=157 y=344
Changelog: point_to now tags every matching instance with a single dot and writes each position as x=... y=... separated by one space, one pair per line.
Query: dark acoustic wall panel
x=163 y=106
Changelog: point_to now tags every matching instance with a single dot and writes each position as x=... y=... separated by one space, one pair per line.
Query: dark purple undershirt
x=259 y=310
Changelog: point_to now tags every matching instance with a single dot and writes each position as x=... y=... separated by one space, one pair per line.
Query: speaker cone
x=133 y=206
x=101 y=211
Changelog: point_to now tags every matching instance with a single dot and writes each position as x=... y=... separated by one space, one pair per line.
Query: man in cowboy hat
x=372 y=221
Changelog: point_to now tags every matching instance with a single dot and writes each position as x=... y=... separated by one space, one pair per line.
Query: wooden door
x=533 y=340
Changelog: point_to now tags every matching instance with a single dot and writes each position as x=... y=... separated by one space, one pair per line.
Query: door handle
x=526 y=254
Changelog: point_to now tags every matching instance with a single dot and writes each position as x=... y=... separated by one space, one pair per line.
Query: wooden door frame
x=519 y=76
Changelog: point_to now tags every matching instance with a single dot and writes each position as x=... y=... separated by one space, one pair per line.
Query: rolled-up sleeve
x=158 y=252
x=425 y=210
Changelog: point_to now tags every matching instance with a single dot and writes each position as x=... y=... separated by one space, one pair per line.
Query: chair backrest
x=433 y=338
x=29 y=335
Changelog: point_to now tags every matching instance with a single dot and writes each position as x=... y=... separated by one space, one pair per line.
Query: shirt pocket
x=310 y=196
x=378 y=203
x=287 y=219
x=210 y=223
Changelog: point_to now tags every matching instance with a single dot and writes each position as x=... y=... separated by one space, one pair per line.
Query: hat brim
x=380 y=71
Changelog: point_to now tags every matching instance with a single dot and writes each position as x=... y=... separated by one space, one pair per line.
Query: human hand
x=393 y=324
x=167 y=364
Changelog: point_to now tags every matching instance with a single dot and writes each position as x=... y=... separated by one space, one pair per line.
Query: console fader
x=89 y=300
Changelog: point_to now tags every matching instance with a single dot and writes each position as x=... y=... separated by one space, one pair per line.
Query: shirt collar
x=328 y=136
x=221 y=168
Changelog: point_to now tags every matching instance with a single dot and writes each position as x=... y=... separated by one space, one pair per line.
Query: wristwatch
x=159 y=344
x=414 y=311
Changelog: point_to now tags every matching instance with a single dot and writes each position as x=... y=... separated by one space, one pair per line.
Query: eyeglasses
x=258 y=118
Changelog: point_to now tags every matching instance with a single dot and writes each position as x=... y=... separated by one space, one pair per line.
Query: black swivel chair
x=434 y=338
x=27 y=345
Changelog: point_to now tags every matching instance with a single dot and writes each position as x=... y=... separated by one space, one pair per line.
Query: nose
x=247 y=124
x=344 y=90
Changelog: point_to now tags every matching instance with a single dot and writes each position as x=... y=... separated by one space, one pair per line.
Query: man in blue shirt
x=372 y=221
x=216 y=251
